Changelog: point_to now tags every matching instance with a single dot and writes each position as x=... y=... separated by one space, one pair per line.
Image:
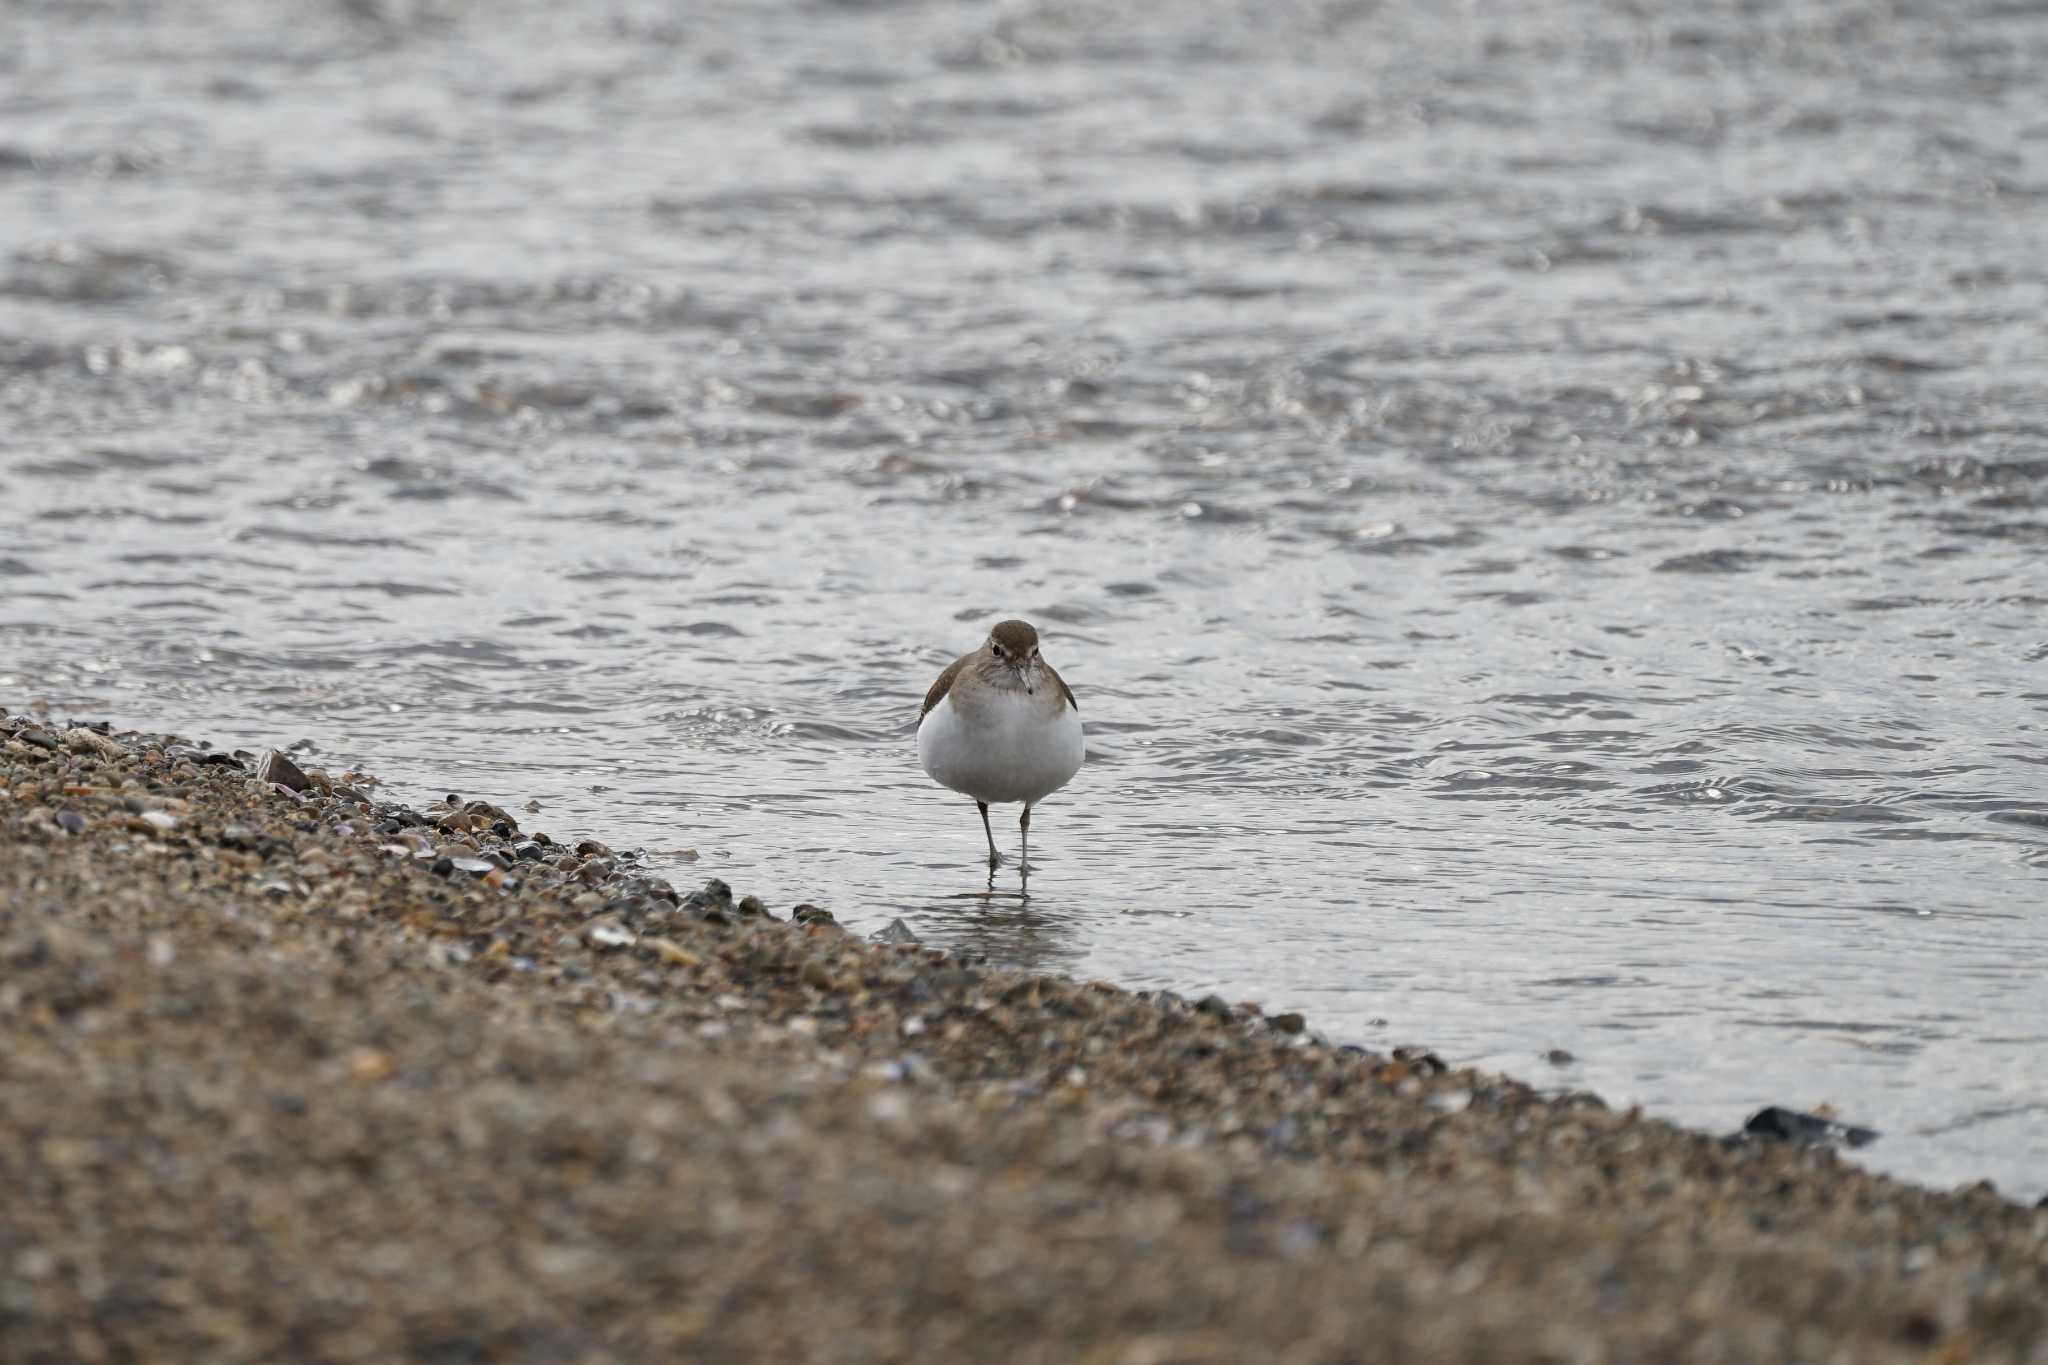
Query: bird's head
x=1013 y=648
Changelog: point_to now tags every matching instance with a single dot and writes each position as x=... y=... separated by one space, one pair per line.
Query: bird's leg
x=995 y=859
x=1024 y=827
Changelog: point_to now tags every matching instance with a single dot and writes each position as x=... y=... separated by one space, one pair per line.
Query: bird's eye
x=998 y=649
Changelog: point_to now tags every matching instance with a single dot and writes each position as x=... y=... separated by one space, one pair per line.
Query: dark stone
x=1557 y=1056
x=71 y=821
x=895 y=931
x=202 y=757
x=1789 y=1125
x=591 y=848
x=41 y=739
x=806 y=914
x=1215 y=1006
x=275 y=767
x=1421 y=1061
x=751 y=905
x=716 y=895
x=528 y=852
x=1288 y=1023
x=443 y=867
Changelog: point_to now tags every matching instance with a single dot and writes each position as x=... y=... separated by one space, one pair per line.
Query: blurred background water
x=1542 y=503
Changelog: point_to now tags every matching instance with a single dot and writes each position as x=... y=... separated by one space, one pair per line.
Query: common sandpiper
x=1000 y=725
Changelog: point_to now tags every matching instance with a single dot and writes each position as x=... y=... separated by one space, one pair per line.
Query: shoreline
x=291 y=1072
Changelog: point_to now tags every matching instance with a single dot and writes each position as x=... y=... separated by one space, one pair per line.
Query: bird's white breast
x=1010 y=746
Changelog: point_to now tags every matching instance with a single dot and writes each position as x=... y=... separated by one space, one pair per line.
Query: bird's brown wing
x=942 y=686
x=1065 y=690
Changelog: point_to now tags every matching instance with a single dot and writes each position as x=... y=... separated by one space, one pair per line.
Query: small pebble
x=671 y=952
x=609 y=934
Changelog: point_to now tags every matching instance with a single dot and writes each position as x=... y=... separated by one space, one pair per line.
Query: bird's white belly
x=1010 y=750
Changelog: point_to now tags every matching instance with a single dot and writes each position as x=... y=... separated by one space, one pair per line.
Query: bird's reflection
x=1005 y=925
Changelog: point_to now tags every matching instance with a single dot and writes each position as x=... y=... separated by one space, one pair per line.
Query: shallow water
x=1542 y=505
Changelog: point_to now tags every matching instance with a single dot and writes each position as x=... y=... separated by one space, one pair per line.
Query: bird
x=1001 y=725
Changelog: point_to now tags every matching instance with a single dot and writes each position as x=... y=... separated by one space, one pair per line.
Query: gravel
x=309 y=1076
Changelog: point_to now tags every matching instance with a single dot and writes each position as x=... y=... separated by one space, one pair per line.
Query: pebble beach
x=289 y=1071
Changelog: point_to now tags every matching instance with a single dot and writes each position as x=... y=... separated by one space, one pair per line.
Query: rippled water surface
x=1542 y=504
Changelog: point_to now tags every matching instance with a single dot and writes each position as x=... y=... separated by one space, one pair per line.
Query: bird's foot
x=996 y=860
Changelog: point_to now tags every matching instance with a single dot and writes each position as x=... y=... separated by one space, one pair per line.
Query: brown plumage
x=943 y=684
x=1017 y=639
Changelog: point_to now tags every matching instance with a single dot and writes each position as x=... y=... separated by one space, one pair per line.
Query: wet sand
x=304 y=1076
